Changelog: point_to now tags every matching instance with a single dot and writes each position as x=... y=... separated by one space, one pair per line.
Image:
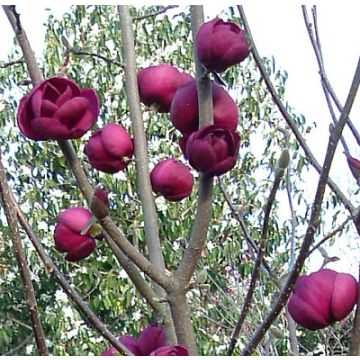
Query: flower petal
x=201 y=155
x=74 y=218
x=64 y=97
x=151 y=338
x=116 y=140
x=131 y=344
x=82 y=251
x=72 y=111
x=49 y=128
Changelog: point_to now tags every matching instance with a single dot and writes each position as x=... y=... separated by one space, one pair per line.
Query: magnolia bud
x=284 y=159
x=99 y=203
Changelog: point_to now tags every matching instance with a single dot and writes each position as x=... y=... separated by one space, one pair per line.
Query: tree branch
x=249 y=240
x=203 y=214
x=29 y=293
x=151 y=227
x=329 y=236
x=186 y=268
x=255 y=273
x=131 y=252
x=313 y=222
x=79 y=52
x=309 y=155
x=14 y=19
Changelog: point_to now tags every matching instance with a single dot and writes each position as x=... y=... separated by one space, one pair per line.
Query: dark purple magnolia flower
x=172 y=179
x=184 y=111
x=220 y=44
x=212 y=150
x=322 y=298
x=57 y=109
x=170 y=350
x=151 y=342
x=109 y=149
x=100 y=203
x=158 y=84
x=67 y=234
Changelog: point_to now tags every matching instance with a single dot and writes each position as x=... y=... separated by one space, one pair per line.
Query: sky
x=278 y=30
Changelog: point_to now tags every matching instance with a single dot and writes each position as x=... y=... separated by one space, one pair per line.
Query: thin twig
x=151 y=226
x=309 y=155
x=19 y=322
x=317 y=49
x=255 y=272
x=79 y=52
x=315 y=42
x=29 y=293
x=156 y=13
x=291 y=325
x=314 y=221
x=329 y=236
x=138 y=258
x=11 y=63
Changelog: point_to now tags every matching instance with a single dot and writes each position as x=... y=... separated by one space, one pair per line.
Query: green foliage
x=44 y=186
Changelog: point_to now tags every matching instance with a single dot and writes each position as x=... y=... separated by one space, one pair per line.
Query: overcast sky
x=278 y=29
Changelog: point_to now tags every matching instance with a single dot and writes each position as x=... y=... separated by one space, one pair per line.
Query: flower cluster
x=58 y=109
x=213 y=149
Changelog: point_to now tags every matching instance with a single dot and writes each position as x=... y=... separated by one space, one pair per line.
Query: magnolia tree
x=146 y=160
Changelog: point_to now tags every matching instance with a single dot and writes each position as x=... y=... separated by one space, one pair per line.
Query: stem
x=77 y=169
x=257 y=265
x=151 y=227
x=309 y=155
x=29 y=293
x=182 y=319
x=294 y=344
x=203 y=213
x=314 y=220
